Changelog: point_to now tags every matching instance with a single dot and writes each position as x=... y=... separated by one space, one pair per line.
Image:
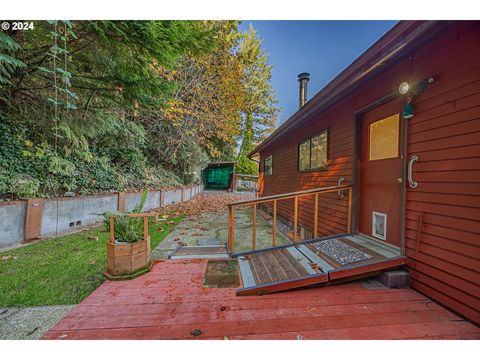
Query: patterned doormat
x=341 y=252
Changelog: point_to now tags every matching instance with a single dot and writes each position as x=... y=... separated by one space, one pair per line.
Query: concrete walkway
x=211 y=229
x=30 y=323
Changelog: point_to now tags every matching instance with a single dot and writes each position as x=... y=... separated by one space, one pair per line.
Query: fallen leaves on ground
x=208 y=202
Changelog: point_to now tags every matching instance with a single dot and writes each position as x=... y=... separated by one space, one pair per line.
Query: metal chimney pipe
x=303 y=80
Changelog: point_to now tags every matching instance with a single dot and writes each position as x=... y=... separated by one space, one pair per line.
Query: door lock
x=399 y=180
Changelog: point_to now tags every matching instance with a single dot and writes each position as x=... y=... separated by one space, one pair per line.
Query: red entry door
x=381 y=179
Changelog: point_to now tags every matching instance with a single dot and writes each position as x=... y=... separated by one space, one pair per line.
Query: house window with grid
x=267 y=165
x=312 y=153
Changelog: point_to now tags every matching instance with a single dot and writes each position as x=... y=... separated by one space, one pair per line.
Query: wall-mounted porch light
x=410 y=91
x=403 y=88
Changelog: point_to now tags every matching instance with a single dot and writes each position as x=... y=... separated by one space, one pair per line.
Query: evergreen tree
x=260 y=108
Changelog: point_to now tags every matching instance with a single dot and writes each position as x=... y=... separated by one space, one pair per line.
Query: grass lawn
x=63 y=270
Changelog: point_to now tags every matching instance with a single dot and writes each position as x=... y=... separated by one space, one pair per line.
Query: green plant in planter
x=130 y=229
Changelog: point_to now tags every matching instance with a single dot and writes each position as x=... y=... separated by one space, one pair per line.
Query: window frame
x=309 y=139
x=271 y=166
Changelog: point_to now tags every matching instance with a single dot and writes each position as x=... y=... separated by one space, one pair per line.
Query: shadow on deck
x=327 y=260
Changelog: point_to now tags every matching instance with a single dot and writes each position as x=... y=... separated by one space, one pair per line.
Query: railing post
x=295 y=218
x=254 y=227
x=349 y=215
x=274 y=230
x=145 y=227
x=112 y=229
x=231 y=229
x=315 y=217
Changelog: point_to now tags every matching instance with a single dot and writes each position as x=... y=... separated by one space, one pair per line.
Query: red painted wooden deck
x=170 y=302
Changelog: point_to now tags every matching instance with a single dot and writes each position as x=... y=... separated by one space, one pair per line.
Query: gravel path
x=30 y=323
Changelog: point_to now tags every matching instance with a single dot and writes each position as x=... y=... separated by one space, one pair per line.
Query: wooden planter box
x=127 y=261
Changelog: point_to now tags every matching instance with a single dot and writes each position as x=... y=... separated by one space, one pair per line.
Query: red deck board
x=173 y=317
x=236 y=309
x=384 y=332
x=155 y=306
x=166 y=326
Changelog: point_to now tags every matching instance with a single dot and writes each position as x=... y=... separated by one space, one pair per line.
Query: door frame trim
x=357 y=118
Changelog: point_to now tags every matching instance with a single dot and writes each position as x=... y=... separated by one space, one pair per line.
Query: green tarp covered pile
x=217 y=178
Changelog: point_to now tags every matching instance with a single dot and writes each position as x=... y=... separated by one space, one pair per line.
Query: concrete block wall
x=79 y=211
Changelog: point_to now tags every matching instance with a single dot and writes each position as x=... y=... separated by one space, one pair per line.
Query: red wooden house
x=401 y=126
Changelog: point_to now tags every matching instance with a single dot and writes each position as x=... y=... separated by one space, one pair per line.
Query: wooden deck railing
x=274 y=199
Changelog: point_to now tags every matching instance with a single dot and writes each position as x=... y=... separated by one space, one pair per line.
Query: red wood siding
x=444 y=133
x=286 y=178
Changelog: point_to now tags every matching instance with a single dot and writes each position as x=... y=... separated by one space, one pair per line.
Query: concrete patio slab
x=211 y=229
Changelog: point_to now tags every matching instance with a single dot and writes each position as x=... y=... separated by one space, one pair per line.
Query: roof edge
x=388 y=47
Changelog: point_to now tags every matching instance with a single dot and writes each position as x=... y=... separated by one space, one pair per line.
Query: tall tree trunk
x=247 y=139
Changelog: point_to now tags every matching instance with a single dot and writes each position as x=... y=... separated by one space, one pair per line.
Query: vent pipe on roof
x=303 y=80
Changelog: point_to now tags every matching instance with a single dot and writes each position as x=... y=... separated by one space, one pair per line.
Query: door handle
x=412 y=183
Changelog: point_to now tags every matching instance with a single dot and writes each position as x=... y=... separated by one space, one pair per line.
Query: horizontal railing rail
x=274 y=199
x=247 y=176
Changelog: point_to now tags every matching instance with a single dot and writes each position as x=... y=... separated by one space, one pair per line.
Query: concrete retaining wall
x=75 y=212
x=187 y=194
x=152 y=202
x=78 y=211
x=172 y=197
x=12 y=217
x=131 y=200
